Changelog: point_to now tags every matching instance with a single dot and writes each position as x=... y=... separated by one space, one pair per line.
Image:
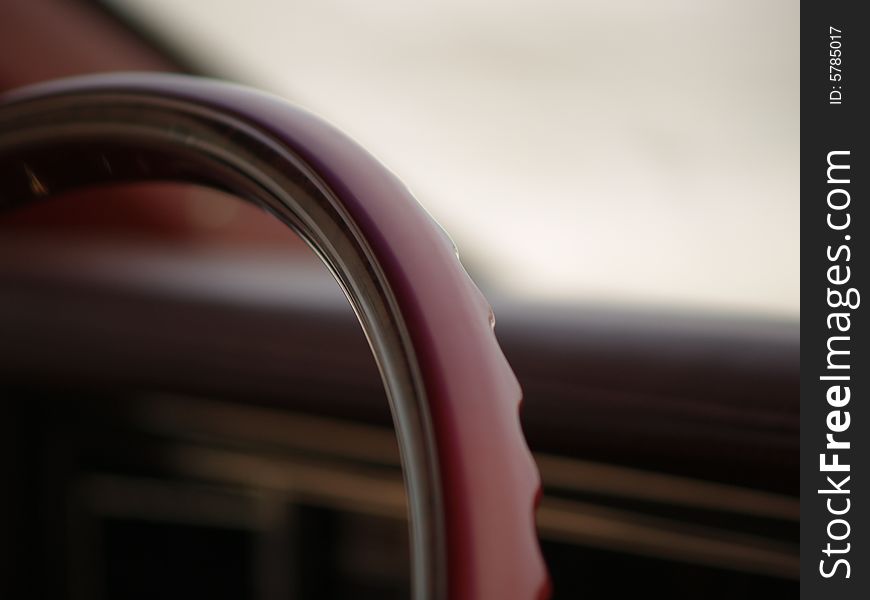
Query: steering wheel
x=471 y=482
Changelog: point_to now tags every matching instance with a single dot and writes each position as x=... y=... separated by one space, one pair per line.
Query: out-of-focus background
x=189 y=408
x=599 y=151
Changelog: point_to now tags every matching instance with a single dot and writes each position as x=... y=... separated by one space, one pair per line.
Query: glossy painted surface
x=471 y=480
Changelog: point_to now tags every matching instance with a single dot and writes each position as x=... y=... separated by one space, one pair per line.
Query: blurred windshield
x=631 y=152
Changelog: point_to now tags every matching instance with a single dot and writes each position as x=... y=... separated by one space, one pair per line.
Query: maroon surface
x=489 y=479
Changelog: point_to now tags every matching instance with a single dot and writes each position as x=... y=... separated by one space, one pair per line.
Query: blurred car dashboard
x=140 y=379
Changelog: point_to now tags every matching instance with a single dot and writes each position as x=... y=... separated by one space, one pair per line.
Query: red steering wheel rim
x=471 y=481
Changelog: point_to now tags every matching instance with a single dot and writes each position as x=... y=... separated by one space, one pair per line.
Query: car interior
x=190 y=407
